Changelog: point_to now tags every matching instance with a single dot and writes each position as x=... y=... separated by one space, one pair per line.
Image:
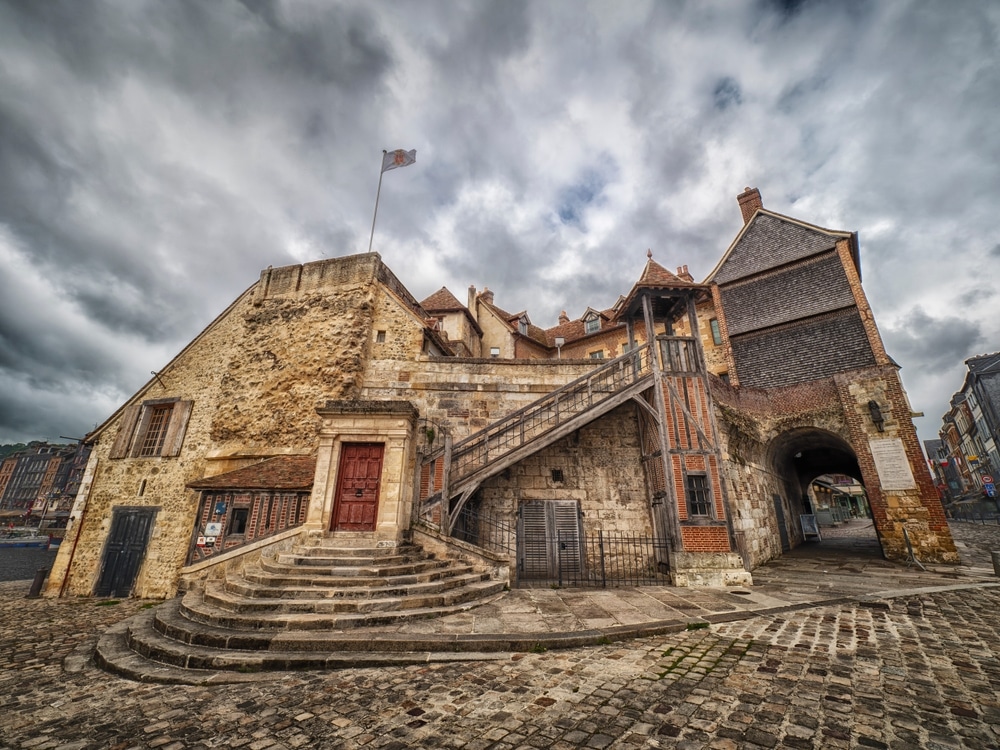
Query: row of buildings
x=327 y=401
x=41 y=480
x=967 y=453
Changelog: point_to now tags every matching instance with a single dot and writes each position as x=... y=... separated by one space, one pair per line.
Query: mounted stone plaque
x=893 y=467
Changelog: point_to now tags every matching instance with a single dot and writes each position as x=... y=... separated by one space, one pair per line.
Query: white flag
x=398 y=158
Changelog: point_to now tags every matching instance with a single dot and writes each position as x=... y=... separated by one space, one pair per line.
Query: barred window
x=151 y=442
x=699 y=495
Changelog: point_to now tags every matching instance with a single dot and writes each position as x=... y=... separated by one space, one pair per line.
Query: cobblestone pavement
x=917 y=671
x=20 y=563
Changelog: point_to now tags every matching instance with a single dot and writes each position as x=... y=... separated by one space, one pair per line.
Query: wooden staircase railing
x=542 y=422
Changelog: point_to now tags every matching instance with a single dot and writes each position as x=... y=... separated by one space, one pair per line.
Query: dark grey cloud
x=931 y=343
x=155 y=156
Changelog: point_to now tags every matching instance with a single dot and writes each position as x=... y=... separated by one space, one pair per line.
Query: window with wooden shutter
x=152 y=428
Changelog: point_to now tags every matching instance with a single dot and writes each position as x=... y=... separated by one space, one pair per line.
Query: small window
x=379 y=337
x=151 y=441
x=238 y=521
x=152 y=428
x=716 y=333
x=599 y=354
x=592 y=324
x=557 y=475
x=724 y=377
x=522 y=326
x=494 y=351
x=699 y=496
x=627 y=347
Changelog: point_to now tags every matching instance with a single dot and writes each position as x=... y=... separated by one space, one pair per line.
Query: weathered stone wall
x=601 y=467
x=918 y=508
x=464 y=395
x=255 y=376
x=749 y=420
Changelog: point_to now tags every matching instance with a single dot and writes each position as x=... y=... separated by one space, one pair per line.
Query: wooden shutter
x=565 y=525
x=535 y=561
x=126 y=428
x=550 y=539
x=179 y=416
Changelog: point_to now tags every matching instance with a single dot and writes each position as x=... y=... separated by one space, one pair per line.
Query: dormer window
x=522 y=326
x=592 y=324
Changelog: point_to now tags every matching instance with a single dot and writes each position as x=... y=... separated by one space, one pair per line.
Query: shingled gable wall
x=803 y=345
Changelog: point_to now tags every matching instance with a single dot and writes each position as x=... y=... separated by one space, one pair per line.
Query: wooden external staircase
x=522 y=433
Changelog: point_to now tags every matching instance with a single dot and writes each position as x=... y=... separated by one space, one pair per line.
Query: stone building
x=326 y=401
x=970 y=429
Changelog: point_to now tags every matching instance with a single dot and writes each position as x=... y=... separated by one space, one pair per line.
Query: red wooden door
x=357 y=487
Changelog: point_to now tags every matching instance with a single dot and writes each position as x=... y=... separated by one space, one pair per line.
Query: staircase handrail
x=576 y=396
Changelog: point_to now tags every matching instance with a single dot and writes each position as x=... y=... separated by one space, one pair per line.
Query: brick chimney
x=563 y=318
x=749 y=201
x=472 y=299
x=682 y=273
x=486 y=295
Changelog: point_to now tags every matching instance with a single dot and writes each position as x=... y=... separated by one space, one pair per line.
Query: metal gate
x=124 y=551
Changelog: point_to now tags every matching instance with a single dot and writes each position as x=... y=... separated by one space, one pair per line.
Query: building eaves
x=984 y=363
x=278 y=473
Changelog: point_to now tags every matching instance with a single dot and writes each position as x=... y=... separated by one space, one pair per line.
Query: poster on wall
x=213 y=529
x=892 y=465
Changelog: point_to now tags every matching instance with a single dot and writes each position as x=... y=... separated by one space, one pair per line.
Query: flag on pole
x=398 y=158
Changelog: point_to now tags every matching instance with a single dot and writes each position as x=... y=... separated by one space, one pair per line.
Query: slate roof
x=770 y=240
x=278 y=473
x=984 y=363
x=815 y=287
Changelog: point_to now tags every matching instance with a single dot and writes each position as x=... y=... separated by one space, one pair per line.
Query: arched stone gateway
x=778 y=440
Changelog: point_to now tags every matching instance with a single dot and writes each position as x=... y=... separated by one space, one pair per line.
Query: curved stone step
x=364 y=568
x=200 y=606
x=134 y=649
x=308 y=589
x=302 y=578
x=334 y=558
x=218 y=594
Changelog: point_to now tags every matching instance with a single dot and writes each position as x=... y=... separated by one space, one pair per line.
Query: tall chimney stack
x=749 y=201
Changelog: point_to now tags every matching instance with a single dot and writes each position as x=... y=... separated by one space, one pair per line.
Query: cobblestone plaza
x=917 y=670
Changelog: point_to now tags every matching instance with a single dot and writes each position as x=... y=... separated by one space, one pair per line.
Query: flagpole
x=377 y=194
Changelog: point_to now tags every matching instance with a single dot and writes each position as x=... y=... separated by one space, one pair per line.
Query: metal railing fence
x=601 y=559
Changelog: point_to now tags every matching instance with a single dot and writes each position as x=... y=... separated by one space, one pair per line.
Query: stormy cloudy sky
x=154 y=156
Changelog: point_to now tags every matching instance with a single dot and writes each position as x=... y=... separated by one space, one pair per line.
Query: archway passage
x=810 y=510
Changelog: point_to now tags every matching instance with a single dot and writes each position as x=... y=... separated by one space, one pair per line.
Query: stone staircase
x=318 y=606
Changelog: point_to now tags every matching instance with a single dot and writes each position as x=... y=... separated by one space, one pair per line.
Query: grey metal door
x=124 y=551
